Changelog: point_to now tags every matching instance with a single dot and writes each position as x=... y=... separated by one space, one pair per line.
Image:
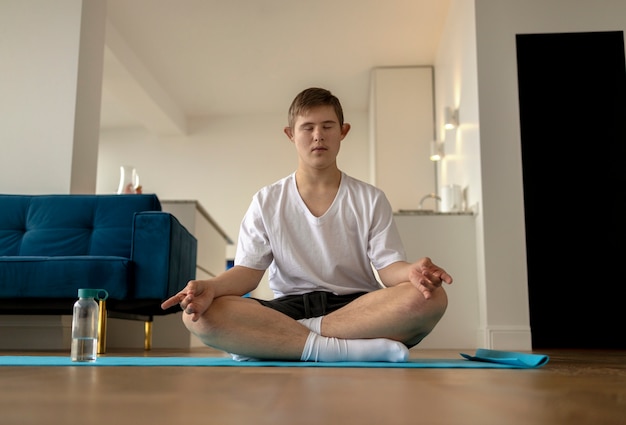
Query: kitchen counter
x=449 y=239
x=431 y=212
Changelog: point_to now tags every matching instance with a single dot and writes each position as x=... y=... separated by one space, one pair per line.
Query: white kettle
x=451 y=198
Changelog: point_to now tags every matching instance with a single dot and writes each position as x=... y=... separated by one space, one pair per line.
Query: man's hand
x=427 y=277
x=194 y=299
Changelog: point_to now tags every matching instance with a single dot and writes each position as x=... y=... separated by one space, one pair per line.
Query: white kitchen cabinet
x=450 y=241
x=402 y=127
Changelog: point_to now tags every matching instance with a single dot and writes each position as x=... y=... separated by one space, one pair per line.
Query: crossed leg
x=400 y=313
x=243 y=326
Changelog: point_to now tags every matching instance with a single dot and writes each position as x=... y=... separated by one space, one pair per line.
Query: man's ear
x=345 y=128
x=289 y=132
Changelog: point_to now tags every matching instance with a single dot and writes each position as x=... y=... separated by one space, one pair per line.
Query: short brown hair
x=310 y=98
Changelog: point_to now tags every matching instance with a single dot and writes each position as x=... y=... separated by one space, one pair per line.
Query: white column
x=51 y=82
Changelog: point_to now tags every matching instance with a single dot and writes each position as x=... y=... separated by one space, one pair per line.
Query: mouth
x=318 y=148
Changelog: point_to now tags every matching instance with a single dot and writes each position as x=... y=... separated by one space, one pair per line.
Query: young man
x=320 y=232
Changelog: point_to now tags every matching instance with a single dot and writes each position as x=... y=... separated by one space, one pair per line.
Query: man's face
x=317 y=136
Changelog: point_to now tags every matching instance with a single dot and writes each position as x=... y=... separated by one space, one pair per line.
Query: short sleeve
x=253 y=245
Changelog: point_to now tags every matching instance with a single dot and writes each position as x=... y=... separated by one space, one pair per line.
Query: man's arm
x=238 y=280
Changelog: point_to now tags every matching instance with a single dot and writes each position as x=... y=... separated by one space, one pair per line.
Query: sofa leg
x=102 y=327
x=147 y=341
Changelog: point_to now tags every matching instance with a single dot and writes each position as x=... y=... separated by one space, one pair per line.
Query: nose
x=318 y=136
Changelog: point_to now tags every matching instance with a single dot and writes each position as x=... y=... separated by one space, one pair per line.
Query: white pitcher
x=451 y=198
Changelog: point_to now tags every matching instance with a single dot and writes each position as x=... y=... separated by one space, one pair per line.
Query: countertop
x=432 y=212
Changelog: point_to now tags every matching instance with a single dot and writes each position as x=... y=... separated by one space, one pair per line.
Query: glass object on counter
x=129 y=180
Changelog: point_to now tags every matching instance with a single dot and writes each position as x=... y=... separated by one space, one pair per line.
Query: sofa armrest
x=163 y=253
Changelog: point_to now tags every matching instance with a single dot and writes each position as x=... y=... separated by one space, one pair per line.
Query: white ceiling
x=167 y=61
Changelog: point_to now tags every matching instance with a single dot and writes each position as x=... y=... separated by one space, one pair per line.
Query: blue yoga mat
x=483 y=359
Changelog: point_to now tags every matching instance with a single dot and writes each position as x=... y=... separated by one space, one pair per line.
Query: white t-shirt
x=333 y=252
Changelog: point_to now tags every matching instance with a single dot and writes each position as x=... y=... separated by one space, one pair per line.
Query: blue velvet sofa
x=52 y=245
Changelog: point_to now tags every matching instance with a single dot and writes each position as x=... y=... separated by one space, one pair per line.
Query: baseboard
x=24 y=332
x=508 y=338
x=47 y=332
x=167 y=332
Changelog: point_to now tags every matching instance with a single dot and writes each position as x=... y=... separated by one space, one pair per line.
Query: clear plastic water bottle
x=85 y=325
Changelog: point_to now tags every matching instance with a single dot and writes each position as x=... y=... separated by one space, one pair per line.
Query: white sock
x=325 y=349
x=313 y=324
x=239 y=358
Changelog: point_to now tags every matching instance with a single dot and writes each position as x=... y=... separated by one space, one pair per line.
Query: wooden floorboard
x=575 y=387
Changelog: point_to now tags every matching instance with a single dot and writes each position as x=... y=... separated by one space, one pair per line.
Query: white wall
x=456 y=87
x=50 y=80
x=402 y=127
x=485 y=89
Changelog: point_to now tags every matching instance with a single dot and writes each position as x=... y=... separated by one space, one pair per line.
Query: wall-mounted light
x=451 y=118
x=436 y=150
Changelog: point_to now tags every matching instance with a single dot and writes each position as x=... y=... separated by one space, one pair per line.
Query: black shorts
x=313 y=304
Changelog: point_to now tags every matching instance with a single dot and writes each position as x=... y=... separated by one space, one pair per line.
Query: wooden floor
x=575 y=387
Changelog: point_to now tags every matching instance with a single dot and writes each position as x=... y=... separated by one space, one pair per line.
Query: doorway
x=572 y=95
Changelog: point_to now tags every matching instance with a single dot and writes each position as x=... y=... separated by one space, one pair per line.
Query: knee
x=191 y=325
x=187 y=320
x=431 y=309
x=427 y=313
x=434 y=307
x=439 y=302
x=206 y=323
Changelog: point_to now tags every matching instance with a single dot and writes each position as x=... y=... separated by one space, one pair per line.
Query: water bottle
x=85 y=325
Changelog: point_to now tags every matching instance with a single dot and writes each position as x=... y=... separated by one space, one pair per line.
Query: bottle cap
x=99 y=294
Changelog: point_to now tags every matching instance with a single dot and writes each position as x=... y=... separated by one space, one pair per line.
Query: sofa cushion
x=61 y=277
x=45 y=225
